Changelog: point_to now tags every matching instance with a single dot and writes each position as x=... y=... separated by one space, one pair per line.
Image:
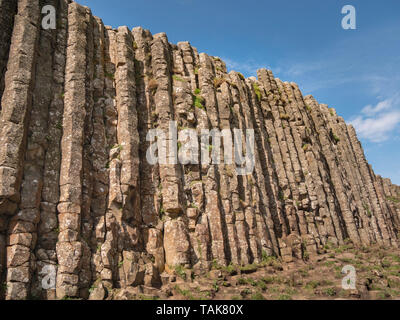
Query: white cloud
x=378 y=123
x=383 y=105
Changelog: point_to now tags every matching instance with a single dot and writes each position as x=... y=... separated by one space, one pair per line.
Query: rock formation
x=79 y=201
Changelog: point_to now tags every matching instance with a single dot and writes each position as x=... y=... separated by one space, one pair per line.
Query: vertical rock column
x=69 y=246
x=327 y=141
x=314 y=222
x=246 y=216
x=176 y=242
x=48 y=226
x=316 y=179
x=211 y=171
x=8 y=9
x=261 y=187
x=99 y=155
x=378 y=225
x=128 y=218
x=37 y=142
x=318 y=172
x=106 y=257
x=16 y=106
x=146 y=87
x=237 y=250
x=182 y=93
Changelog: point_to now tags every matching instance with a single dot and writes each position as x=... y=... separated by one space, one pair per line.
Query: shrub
x=257 y=91
x=257 y=296
x=249 y=268
x=197 y=91
x=183 y=292
x=330 y=292
x=180 y=271
x=312 y=284
x=262 y=285
x=336 y=138
x=198 y=102
x=218 y=82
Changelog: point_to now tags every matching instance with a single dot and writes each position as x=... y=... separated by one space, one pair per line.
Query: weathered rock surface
x=83 y=211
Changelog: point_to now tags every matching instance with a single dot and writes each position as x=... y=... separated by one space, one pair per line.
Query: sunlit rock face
x=83 y=211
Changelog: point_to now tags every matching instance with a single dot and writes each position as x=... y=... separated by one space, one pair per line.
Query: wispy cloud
x=378 y=123
x=299 y=69
x=383 y=105
x=249 y=67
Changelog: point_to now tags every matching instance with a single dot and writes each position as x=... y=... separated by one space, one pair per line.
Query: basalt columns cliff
x=81 y=205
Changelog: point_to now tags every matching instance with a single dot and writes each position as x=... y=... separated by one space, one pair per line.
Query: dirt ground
x=377 y=277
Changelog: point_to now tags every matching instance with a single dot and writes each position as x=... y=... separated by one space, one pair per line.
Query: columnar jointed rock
x=82 y=211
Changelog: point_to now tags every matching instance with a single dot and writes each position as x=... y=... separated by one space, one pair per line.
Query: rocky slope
x=78 y=196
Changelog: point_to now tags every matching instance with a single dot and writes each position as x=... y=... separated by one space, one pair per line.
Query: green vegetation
x=257 y=91
x=144 y=297
x=249 y=268
x=393 y=199
x=180 y=271
x=284 y=297
x=118 y=146
x=330 y=292
x=335 y=137
x=183 y=292
x=109 y=75
x=198 y=102
x=241 y=76
x=366 y=207
x=177 y=78
x=218 y=82
x=215 y=286
x=257 y=296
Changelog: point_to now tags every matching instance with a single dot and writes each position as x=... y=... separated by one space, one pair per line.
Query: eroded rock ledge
x=76 y=191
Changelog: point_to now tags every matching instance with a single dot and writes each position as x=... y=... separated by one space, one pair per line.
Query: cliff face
x=81 y=205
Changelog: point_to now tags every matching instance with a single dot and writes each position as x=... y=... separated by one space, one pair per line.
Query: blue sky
x=355 y=71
